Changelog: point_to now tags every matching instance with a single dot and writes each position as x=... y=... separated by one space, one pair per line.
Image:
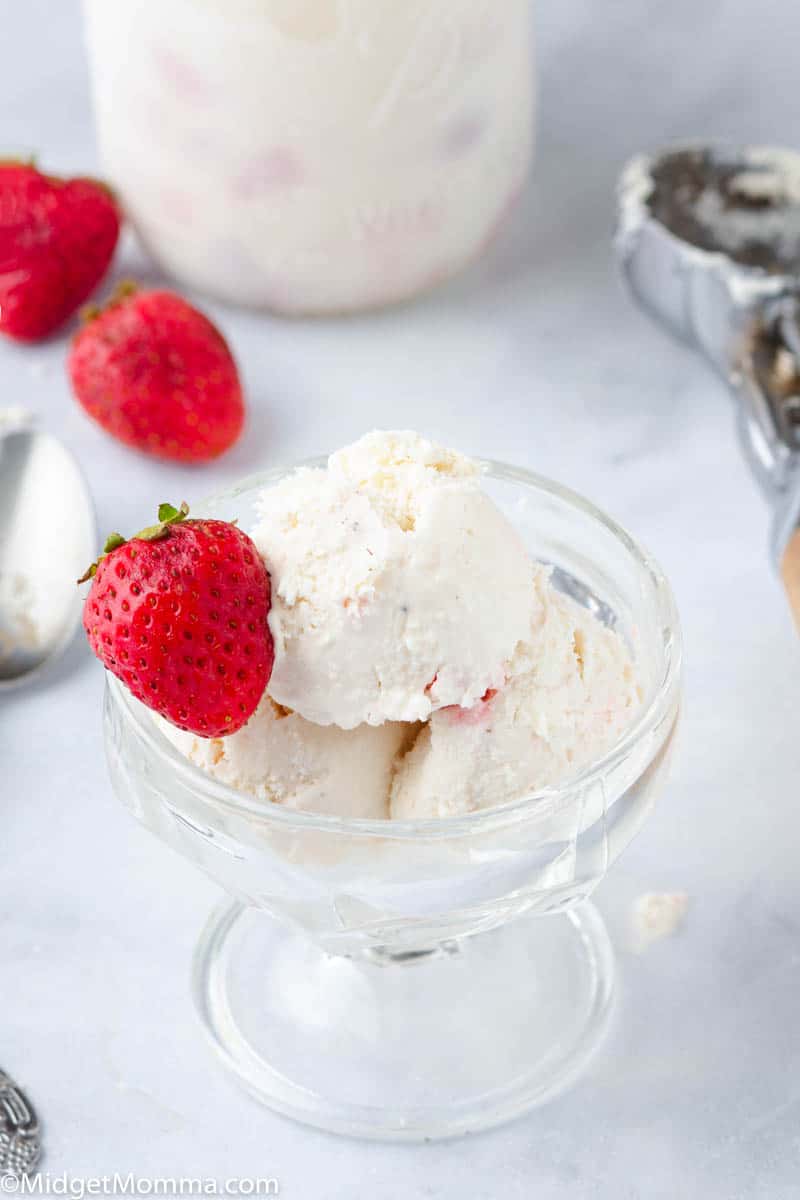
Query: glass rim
x=482 y=820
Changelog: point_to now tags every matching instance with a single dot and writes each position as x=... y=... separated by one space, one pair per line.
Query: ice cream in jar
x=313 y=155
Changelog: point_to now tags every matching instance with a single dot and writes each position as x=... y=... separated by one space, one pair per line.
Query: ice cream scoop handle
x=790 y=571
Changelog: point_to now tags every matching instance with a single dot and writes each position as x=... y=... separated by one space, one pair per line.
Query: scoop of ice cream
x=571 y=692
x=398 y=586
x=279 y=757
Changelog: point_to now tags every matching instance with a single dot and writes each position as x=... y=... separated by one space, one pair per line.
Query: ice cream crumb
x=658 y=915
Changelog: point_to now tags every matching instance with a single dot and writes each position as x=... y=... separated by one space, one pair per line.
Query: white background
x=536 y=356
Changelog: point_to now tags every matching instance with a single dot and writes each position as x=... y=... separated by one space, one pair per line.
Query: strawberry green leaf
x=88 y=574
x=167 y=515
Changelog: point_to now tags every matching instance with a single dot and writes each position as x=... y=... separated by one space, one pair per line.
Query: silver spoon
x=709 y=240
x=47 y=536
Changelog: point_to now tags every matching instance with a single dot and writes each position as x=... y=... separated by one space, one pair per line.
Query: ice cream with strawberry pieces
x=570 y=692
x=398 y=586
x=425 y=665
x=280 y=757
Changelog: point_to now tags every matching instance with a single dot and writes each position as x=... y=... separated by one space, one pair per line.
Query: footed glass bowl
x=420 y=979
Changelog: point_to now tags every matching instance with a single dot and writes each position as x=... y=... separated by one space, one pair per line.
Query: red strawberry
x=179 y=614
x=155 y=373
x=57 y=238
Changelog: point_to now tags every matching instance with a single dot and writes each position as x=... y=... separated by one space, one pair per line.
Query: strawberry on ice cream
x=179 y=614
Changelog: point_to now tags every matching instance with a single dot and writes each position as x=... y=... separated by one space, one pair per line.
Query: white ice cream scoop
x=709 y=239
x=389 y=569
x=47 y=536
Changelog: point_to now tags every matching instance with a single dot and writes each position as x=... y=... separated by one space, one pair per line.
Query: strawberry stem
x=124 y=289
x=168 y=512
x=122 y=292
x=29 y=161
x=168 y=515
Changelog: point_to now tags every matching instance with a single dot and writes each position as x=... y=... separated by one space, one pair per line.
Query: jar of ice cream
x=313 y=156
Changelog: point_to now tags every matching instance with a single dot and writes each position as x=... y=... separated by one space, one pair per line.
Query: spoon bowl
x=47 y=537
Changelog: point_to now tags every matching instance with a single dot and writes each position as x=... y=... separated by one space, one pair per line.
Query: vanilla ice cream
x=398 y=587
x=313 y=155
x=571 y=692
x=281 y=758
x=425 y=665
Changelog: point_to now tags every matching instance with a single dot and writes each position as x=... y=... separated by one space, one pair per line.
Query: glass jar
x=313 y=156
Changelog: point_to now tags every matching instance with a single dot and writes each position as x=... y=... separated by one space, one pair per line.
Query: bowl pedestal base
x=412 y=1047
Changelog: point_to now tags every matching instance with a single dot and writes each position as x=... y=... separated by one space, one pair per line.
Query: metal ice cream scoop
x=47 y=536
x=709 y=239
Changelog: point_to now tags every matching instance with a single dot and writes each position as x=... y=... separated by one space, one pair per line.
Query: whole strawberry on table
x=179 y=614
x=57 y=239
x=155 y=373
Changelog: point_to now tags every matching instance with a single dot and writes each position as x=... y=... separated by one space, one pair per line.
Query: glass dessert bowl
x=398 y=978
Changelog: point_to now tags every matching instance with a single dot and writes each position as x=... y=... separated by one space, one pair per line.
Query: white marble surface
x=537 y=357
